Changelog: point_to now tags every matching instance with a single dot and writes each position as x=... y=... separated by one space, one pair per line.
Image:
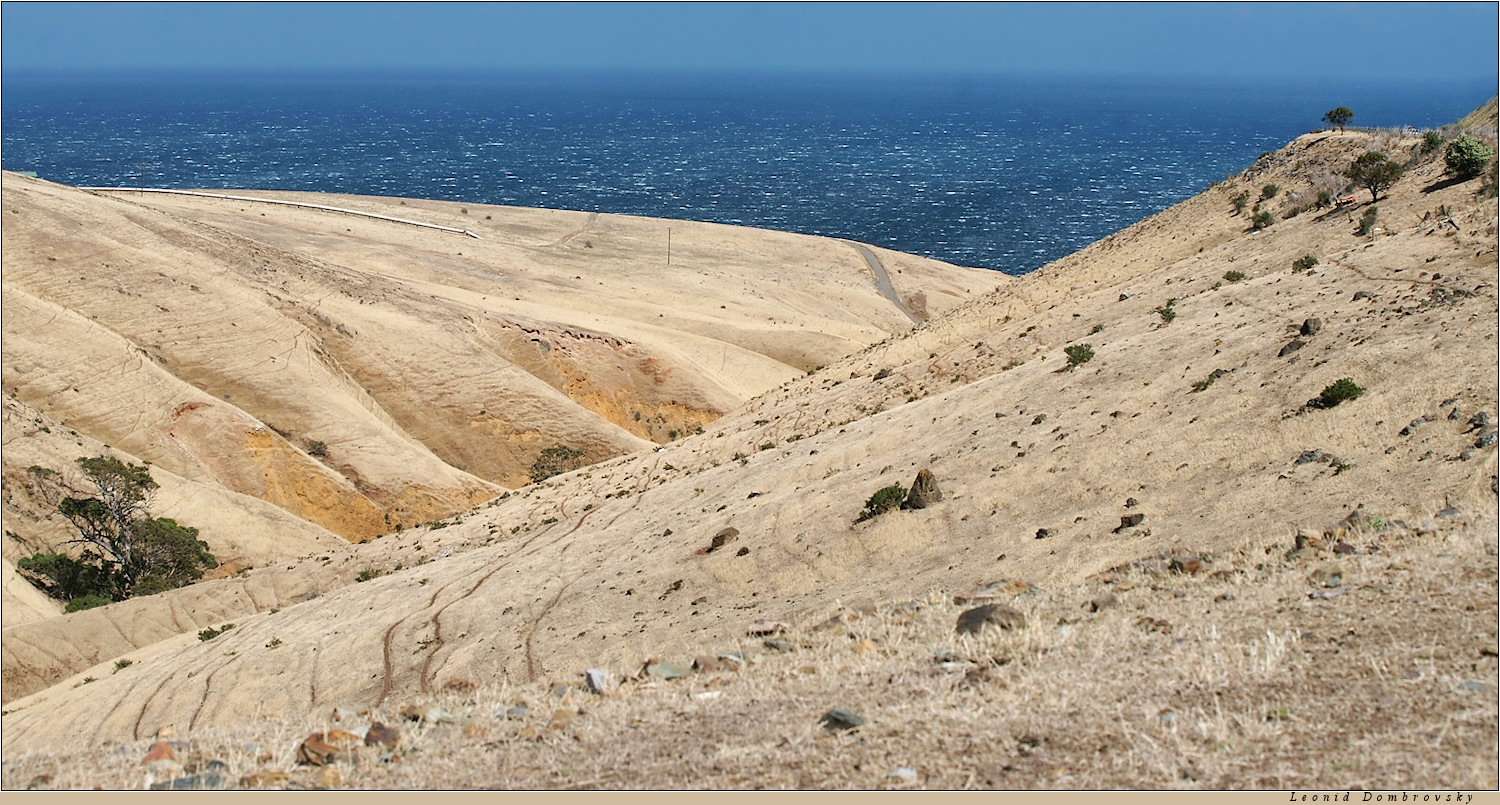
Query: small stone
x=1312 y=326
x=1043 y=533
x=161 y=750
x=1131 y=503
x=208 y=781
x=1358 y=295
x=41 y=782
x=1487 y=439
x=1187 y=564
x=742 y=551
x=924 y=491
x=323 y=748
x=780 y=644
x=381 y=735
x=1475 y=687
x=971 y=621
x=1479 y=421
x=1412 y=428
x=723 y=538
x=330 y=777
x=905 y=774
x=667 y=670
x=1309 y=456
x=1291 y=346
x=1344 y=548
x=1039 y=419
x=764 y=628
x=1124 y=296
x=599 y=680
x=432 y=714
x=1130 y=521
x=840 y=718
x=709 y=665
x=517 y=713
x=1103 y=602
x=1327 y=576
x=265 y=779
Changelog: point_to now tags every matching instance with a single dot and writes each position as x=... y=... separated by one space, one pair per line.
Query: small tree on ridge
x=1339 y=116
x=1375 y=171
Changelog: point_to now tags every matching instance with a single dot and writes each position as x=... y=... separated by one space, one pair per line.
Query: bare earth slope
x=359 y=375
x=1188 y=430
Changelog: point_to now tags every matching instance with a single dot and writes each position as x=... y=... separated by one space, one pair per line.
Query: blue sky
x=1436 y=41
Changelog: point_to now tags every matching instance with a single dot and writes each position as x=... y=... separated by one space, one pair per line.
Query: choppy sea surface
x=999 y=173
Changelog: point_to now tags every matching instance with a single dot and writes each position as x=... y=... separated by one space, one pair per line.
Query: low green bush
x=883 y=501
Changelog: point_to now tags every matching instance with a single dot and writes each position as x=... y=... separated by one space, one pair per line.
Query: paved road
x=883 y=279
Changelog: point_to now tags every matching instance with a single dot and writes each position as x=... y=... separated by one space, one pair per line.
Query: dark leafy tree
x=1339 y=116
x=1375 y=171
x=124 y=552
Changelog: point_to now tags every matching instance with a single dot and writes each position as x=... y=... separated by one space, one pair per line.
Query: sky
x=1342 y=40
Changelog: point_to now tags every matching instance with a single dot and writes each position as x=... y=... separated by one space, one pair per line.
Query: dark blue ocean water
x=1001 y=173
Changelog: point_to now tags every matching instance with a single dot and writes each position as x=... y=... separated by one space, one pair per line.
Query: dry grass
x=1247 y=675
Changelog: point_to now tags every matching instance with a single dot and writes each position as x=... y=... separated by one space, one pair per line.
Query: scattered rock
x=722 y=538
x=212 y=780
x=431 y=714
x=1102 y=602
x=972 y=621
x=1487 y=439
x=1309 y=456
x=517 y=713
x=1131 y=503
x=1124 y=296
x=381 y=735
x=1479 y=421
x=599 y=680
x=161 y=750
x=1150 y=624
x=265 y=779
x=905 y=774
x=1312 y=326
x=709 y=665
x=840 y=718
x=322 y=748
x=780 y=644
x=1187 y=564
x=1475 y=687
x=742 y=551
x=1039 y=419
x=1291 y=346
x=667 y=670
x=41 y=782
x=1130 y=521
x=1358 y=295
x=1327 y=576
x=763 y=628
x=1412 y=428
x=1043 y=533
x=924 y=491
x=671 y=588
x=1344 y=548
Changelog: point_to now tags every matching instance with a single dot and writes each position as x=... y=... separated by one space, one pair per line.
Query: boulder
x=924 y=492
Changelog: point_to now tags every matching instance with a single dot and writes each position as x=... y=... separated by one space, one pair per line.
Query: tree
x=125 y=552
x=1467 y=157
x=1339 y=116
x=1375 y=171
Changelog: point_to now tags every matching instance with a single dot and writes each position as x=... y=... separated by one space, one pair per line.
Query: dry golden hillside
x=362 y=375
x=1188 y=433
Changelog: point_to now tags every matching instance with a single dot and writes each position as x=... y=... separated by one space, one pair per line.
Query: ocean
x=994 y=172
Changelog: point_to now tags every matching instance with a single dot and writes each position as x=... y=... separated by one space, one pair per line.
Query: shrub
x=1467 y=157
x=1262 y=220
x=1241 y=202
x=555 y=460
x=317 y=449
x=1367 y=221
x=1234 y=276
x=1432 y=141
x=1340 y=391
x=883 y=501
x=83 y=602
x=369 y=573
x=1270 y=191
x=210 y=633
x=1079 y=354
x=1304 y=263
x=1167 y=311
x=1098 y=328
